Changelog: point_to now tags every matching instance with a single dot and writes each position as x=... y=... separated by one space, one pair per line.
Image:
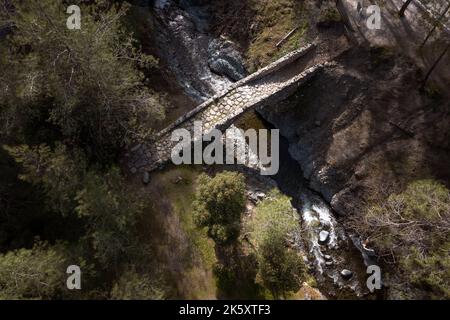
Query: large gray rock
x=225 y=67
x=346 y=274
x=146 y=178
x=324 y=236
x=225 y=60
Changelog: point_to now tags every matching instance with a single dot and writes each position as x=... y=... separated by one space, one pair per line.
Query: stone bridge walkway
x=269 y=85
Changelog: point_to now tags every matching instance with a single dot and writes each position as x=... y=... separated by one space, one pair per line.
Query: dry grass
x=185 y=253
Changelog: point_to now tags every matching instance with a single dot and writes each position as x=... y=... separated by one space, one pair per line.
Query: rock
x=260 y=195
x=368 y=254
x=346 y=274
x=317 y=123
x=225 y=68
x=225 y=60
x=133 y=170
x=178 y=180
x=327 y=257
x=329 y=263
x=256 y=196
x=324 y=236
x=146 y=178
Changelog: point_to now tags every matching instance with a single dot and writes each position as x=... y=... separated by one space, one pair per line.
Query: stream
x=204 y=66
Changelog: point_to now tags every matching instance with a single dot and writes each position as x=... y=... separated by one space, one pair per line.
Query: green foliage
x=111 y=210
x=329 y=16
x=430 y=271
x=68 y=97
x=419 y=216
x=58 y=172
x=101 y=202
x=414 y=227
x=37 y=273
x=281 y=269
x=235 y=275
x=274 y=215
x=273 y=20
x=134 y=286
x=87 y=80
x=22 y=208
x=219 y=203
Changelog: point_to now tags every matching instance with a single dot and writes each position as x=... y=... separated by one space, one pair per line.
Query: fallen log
x=286 y=37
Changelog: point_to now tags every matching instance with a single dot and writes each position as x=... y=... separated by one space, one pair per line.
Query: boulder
x=256 y=196
x=346 y=274
x=146 y=178
x=324 y=236
x=224 y=59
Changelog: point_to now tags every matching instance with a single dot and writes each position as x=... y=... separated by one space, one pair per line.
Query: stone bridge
x=267 y=86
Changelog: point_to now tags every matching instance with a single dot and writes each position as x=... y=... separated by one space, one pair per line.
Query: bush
x=134 y=286
x=219 y=203
x=413 y=227
x=281 y=269
x=58 y=172
x=87 y=81
x=274 y=214
x=235 y=275
x=37 y=273
x=111 y=210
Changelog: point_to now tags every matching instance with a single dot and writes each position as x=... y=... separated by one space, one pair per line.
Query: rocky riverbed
x=333 y=255
x=202 y=64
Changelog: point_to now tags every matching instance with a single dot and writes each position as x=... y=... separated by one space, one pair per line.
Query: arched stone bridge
x=267 y=86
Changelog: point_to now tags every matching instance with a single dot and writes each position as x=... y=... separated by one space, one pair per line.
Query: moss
x=330 y=15
x=274 y=19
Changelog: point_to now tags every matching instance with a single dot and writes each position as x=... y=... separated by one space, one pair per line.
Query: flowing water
x=338 y=252
x=203 y=65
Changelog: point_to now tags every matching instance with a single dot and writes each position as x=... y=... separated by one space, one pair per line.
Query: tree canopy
x=87 y=83
x=281 y=268
x=413 y=228
x=219 y=203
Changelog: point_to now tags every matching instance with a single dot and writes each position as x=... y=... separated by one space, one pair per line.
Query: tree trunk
x=435 y=25
x=435 y=65
x=404 y=7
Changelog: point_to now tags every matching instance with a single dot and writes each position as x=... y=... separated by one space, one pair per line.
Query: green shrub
x=414 y=228
x=281 y=269
x=87 y=82
x=219 y=203
x=134 y=286
x=37 y=273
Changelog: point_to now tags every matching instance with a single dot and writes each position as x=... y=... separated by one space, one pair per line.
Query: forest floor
x=184 y=253
x=405 y=35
